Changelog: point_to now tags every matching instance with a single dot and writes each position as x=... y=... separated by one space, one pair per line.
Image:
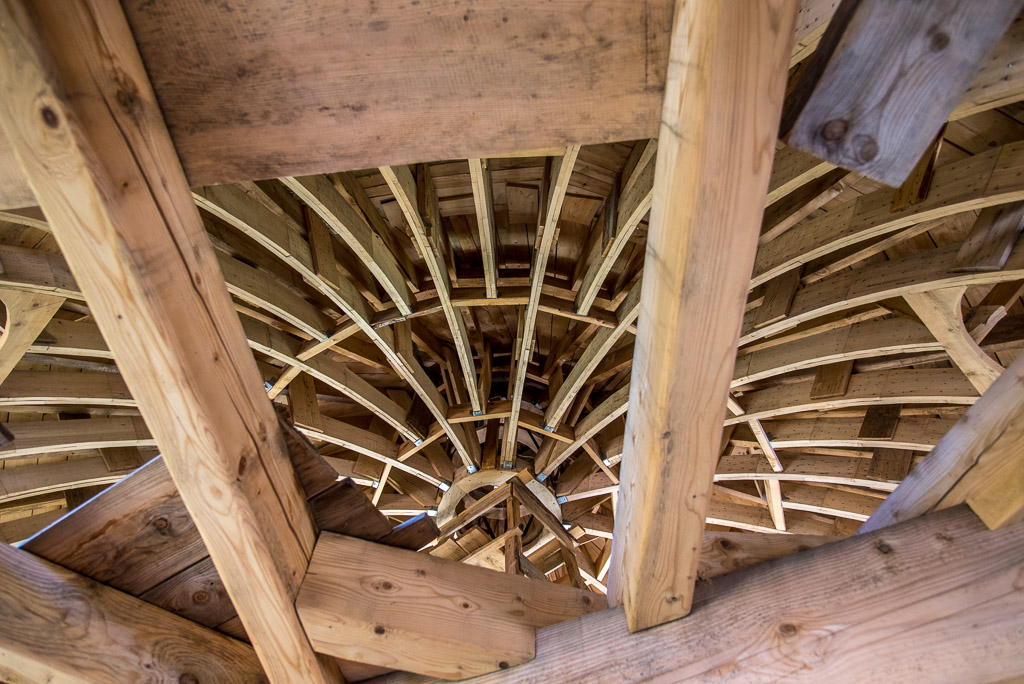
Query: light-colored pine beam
x=715 y=151
x=428 y=233
x=978 y=462
x=61 y=626
x=93 y=144
x=483 y=199
x=27 y=316
x=352 y=229
x=553 y=195
x=595 y=352
x=940 y=311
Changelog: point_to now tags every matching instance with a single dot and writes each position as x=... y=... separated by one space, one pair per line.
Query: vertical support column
x=724 y=92
x=82 y=118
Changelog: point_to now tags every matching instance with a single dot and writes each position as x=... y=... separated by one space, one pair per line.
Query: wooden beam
x=978 y=461
x=547 y=230
x=93 y=144
x=717 y=141
x=892 y=587
x=992 y=238
x=27 y=316
x=353 y=230
x=61 y=626
x=425 y=224
x=483 y=199
x=355 y=604
x=983 y=180
x=854 y=109
x=940 y=311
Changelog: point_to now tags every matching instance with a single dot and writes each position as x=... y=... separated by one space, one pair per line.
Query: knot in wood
x=50 y=117
x=787 y=630
x=835 y=130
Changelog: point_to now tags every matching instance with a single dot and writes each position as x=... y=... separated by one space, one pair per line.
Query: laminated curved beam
x=18 y=483
x=553 y=195
x=47 y=437
x=864 y=340
x=987 y=179
x=899 y=386
x=591 y=357
x=921 y=272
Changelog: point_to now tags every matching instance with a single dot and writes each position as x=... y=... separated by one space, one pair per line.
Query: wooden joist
x=106 y=174
x=977 y=462
x=483 y=199
x=414 y=612
x=716 y=141
x=104 y=635
x=424 y=221
x=553 y=195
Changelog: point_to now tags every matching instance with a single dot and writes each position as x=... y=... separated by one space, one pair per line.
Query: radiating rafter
x=547 y=228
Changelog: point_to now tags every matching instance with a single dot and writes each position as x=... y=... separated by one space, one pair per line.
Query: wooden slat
x=303 y=403
x=880 y=422
x=140 y=253
x=778 y=297
x=853 y=108
x=716 y=141
x=356 y=601
x=890 y=465
x=901 y=610
x=61 y=626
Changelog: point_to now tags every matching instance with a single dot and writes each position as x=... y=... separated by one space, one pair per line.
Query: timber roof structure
x=347 y=342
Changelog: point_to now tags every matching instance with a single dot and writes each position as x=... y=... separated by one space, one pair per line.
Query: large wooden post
x=723 y=96
x=78 y=109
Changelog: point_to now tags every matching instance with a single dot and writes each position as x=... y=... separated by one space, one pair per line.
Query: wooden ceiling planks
x=329 y=319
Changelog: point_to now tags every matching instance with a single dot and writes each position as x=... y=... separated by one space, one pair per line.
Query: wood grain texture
x=886 y=76
x=940 y=311
x=395 y=608
x=784 y=620
x=985 y=439
x=104 y=635
x=714 y=157
x=27 y=316
x=94 y=146
x=987 y=179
